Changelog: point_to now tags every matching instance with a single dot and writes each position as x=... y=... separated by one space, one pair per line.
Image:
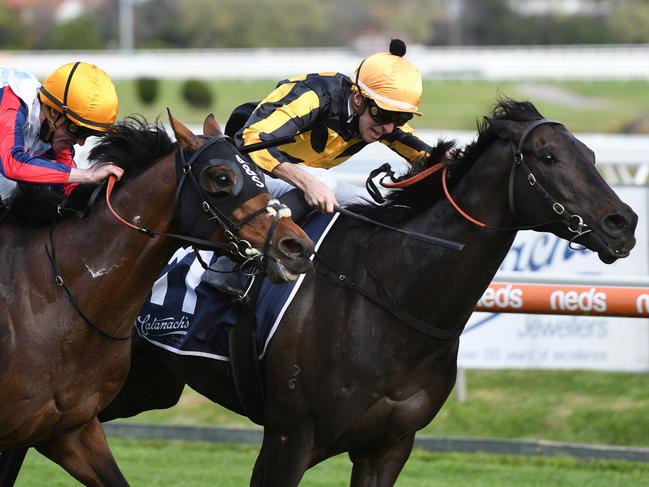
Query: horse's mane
x=405 y=203
x=132 y=144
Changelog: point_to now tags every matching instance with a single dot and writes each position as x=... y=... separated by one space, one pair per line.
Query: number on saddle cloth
x=186 y=316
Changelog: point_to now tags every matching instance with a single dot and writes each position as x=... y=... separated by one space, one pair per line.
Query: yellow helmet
x=391 y=81
x=84 y=93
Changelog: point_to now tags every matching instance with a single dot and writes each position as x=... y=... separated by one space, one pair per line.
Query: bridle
x=580 y=228
x=384 y=298
x=200 y=214
x=574 y=222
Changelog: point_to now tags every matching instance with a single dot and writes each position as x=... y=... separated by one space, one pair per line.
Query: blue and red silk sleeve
x=15 y=161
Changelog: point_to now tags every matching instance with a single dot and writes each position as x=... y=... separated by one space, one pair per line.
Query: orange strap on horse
x=455 y=205
x=424 y=174
x=416 y=178
x=109 y=191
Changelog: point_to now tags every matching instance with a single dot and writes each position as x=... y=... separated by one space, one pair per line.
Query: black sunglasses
x=79 y=131
x=381 y=116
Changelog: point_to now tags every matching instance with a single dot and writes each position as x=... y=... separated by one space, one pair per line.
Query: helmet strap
x=358 y=71
x=50 y=124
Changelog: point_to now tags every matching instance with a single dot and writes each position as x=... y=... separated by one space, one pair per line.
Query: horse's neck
x=443 y=285
x=482 y=193
x=118 y=263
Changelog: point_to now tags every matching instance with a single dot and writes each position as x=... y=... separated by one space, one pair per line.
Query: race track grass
x=180 y=464
x=568 y=406
x=584 y=106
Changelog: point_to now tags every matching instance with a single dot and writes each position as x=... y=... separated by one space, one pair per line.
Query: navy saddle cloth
x=187 y=316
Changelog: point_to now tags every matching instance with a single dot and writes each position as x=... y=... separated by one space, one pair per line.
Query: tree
x=281 y=23
x=629 y=21
x=157 y=24
x=79 y=33
x=11 y=30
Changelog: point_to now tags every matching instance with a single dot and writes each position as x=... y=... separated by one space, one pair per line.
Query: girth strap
x=245 y=368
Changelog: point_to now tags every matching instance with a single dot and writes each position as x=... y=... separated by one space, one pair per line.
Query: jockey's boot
x=226 y=276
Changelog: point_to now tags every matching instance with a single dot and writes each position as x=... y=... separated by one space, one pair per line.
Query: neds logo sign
x=642 y=304
x=505 y=297
x=574 y=301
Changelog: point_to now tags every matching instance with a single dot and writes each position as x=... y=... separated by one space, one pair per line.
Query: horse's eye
x=216 y=180
x=222 y=180
x=548 y=158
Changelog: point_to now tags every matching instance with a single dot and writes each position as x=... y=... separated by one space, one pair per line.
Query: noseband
x=197 y=211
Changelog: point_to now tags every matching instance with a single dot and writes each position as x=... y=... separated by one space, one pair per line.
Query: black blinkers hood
x=200 y=212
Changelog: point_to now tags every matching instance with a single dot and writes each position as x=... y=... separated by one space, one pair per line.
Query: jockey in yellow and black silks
x=332 y=117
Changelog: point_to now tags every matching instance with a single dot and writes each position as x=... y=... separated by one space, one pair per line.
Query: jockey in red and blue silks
x=40 y=124
x=16 y=161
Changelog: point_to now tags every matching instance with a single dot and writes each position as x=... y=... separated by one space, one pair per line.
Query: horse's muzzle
x=615 y=225
x=291 y=259
x=617 y=235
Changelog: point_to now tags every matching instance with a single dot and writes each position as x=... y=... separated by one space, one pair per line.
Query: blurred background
x=583 y=62
x=591 y=55
x=209 y=24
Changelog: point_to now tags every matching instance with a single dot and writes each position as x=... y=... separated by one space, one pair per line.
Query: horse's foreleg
x=283 y=459
x=10 y=463
x=84 y=454
x=380 y=469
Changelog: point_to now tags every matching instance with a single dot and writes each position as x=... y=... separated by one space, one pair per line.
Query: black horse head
x=548 y=182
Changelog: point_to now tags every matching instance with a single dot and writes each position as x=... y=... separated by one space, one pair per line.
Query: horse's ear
x=506 y=129
x=211 y=126
x=185 y=137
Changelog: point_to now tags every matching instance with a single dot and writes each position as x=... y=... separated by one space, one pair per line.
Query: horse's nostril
x=615 y=224
x=293 y=247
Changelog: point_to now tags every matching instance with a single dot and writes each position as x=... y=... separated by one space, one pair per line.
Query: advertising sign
x=504 y=340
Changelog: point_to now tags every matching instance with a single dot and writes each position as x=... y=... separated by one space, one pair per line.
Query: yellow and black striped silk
x=315 y=109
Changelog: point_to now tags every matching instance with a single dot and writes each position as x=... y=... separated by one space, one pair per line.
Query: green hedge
x=147 y=89
x=197 y=93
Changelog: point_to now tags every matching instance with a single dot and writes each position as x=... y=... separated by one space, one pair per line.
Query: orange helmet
x=391 y=81
x=83 y=93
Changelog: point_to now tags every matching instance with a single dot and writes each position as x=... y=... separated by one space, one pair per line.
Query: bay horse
x=70 y=293
x=366 y=353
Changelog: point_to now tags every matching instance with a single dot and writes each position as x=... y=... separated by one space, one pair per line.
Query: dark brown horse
x=62 y=362
x=366 y=353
